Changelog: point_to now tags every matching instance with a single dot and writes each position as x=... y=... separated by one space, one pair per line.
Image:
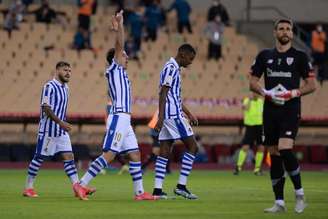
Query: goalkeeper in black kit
x=283 y=68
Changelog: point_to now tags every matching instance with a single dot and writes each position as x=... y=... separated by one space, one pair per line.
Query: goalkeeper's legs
x=293 y=169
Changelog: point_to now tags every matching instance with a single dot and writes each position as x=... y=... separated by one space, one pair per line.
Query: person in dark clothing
x=183 y=11
x=82 y=39
x=214 y=33
x=153 y=20
x=283 y=67
x=45 y=14
x=135 y=21
x=218 y=9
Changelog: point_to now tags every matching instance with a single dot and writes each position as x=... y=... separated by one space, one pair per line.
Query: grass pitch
x=221 y=195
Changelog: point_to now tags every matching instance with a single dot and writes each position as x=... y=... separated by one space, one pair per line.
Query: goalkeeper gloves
x=289 y=94
x=271 y=95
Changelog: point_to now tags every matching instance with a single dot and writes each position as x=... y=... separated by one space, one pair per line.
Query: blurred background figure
x=253 y=111
x=216 y=9
x=183 y=10
x=318 y=46
x=214 y=33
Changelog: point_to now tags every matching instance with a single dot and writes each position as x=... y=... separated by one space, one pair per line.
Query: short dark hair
x=186 y=48
x=283 y=20
x=110 y=55
x=62 y=64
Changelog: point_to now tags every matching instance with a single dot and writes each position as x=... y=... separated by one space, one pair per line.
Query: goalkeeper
x=283 y=68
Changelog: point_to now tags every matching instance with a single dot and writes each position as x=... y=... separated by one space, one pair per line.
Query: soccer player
x=53 y=135
x=253 y=109
x=120 y=137
x=172 y=123
x=283 y=67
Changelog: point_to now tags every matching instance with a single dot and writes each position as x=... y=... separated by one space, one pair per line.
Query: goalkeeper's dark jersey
x=285 y=68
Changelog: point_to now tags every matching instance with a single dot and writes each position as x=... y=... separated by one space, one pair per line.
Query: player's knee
x=108 y=156
x=67 y=156
x=134 y=156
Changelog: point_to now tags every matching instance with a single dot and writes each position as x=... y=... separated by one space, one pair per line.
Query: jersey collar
x=58 y=83
x=174 y=62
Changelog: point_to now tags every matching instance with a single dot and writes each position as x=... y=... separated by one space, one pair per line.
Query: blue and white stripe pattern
x=119 y=88
x=170 y=76
x=95 y=167
x=136 y=173
x=160 y=171
x=35 y=166
x=55 y=95
x=71 y=171
x=187 y=161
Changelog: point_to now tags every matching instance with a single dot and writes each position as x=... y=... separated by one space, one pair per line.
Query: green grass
x=221 y=195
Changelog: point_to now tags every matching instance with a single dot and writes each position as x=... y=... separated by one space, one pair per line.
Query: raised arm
x=118 y=28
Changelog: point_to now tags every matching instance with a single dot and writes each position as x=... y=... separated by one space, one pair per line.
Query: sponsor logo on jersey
x=280 y=74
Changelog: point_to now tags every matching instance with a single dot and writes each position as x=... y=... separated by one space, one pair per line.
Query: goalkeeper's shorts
x=279 y=122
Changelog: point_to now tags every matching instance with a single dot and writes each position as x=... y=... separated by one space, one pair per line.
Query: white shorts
x=49 y=146
x=175 y=129
x=120 y=137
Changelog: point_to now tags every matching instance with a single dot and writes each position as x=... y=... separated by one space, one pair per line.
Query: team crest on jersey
x=290 y=60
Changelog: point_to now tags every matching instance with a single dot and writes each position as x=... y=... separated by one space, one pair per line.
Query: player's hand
x=114 y=24
x=193 y=120
x=66 y=126
x=119 y=17
x=159 y=124
x=289 y=94
x=272 y=96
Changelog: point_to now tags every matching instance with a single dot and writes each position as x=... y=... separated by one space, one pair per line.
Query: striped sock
x=71 y=171
x=32 y=172
x=187 y=161
x=96 y=166
x=160 y=171
x=136 y=173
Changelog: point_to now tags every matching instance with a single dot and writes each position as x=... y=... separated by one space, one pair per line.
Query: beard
x=63 y=79
x=284 y=40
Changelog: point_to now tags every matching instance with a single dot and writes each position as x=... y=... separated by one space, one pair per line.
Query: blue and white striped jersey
x=170 y=76
x=55 y=95
x=119 y=88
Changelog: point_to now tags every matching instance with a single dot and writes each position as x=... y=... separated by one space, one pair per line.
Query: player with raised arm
x=283 y=67
x=172 y=123
x=53 y=135
x=120 y=137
